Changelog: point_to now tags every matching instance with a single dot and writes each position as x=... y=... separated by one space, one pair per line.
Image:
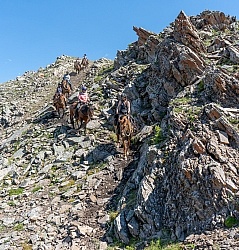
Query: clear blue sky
x=35 y=32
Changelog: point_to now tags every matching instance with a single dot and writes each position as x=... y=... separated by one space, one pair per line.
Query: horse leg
x=125 y=149
x=72 y=121
x=118 y=140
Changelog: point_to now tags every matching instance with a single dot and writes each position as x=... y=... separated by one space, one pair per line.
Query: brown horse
x=59 y=103
x=124 y=132
x=84 y=115
x=84 y=63
x=77 y=67
x=66 y=90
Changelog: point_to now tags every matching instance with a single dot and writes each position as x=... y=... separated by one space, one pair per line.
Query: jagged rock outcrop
x=186 y=33
x=191 y=175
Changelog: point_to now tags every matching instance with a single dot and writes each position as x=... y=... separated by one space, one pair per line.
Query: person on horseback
x=123 y=108
x=58 y=92
x=83 y=98
x=84 y=61
x=67 y=77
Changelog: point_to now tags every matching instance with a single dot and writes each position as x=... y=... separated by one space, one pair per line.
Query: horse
x=84 y=63
x=59 y=103
x=84 y=115
x=124 y=131
x=77 y=67
x=66 y=90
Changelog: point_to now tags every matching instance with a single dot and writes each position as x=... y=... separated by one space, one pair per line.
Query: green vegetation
x=35 y=189
x=231 y=221
x=158 y=135
x=68 y=185
x=113 y=215
x=11 y=203
x=113 y=137
x=95 y=168
x=189 y=112
x=16 y=191
x=234 y=120
x=201 y=86
x=103 y=72
x=153 y=245
x=18 y=227
x=181 y=101
x=2 y=227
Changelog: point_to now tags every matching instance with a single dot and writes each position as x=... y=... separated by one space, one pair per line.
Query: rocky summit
x=61 y=188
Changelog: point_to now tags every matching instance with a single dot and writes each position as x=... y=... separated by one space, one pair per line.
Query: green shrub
x=201 y=86
x=158 y=135
x=16 y=191
x=231 y=221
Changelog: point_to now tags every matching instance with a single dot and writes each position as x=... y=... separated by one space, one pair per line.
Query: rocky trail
x=68 y=202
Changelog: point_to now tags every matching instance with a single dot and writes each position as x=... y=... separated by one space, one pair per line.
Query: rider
x=58 y=90
x=84 y=59
x=83 y=98
x=58 y=93
x=67 y=77
x=123 y=108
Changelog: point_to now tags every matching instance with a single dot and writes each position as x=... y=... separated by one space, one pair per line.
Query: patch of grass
x=35 y=189
x=181 y=101
x=16 y=191
x=96 y=168
x=68 y=185
x=11 y=203
x=201 y=86
x=158 y=135
x=154 y=245
x=18 y=227
x=231 y=221
x=234 y=120
x=2 y=228
x=166 y=245
x=113 y=215
x=113 y=137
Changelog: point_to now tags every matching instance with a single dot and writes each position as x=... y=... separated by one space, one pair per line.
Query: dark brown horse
x=66 y=89
x=77 y=67
x=59 y=103
x=124 y=132
x=83 y=116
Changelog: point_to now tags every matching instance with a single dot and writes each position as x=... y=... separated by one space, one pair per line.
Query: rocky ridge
x=61 y=189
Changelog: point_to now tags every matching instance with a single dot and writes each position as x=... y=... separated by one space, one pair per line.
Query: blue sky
x=35 y=32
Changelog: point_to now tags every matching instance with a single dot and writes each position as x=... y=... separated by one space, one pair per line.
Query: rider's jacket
x=67 y=77
x=123 y=109
x=59 y=90
x=83 y=97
